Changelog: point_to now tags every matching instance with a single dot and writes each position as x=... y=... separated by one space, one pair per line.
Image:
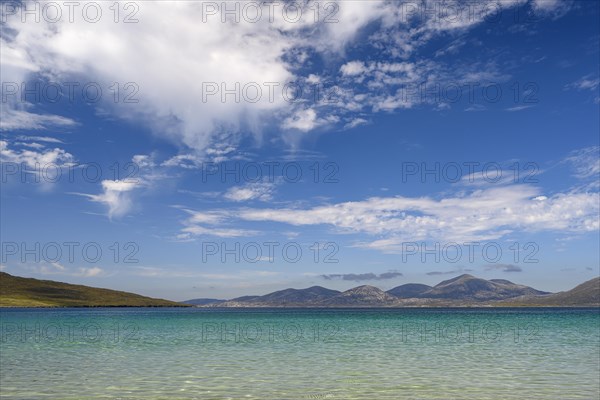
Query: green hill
x=586 y=294
x=28 y=292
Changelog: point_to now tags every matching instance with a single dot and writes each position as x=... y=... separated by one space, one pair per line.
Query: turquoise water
x=300 y=354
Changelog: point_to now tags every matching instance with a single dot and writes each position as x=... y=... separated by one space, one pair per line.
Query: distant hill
x=409 y=291
x=202 y=302
x=312 y=294
x=288 y=297
x=468 y=287
x=28 y=292
x=361 y=296
x=586 y=294
x=461 y=291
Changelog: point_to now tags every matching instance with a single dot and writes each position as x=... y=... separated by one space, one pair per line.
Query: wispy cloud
x=471 y=213
x=482 y=214
x=369 y=276
x=56 y=268
x=21 y=120
x=46 y=139
x=504 y=267
x=262 y=191
x=588 y=82
x=451 y=272
x=518 y=108
x=586 y=162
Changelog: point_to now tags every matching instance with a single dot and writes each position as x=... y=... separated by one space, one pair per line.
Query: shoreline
x=485 y=307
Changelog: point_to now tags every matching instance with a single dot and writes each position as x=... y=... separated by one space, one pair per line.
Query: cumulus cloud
x=182 y=91
x=353 y=68
x=305 y=120
x=34 y=159
x=184 y=71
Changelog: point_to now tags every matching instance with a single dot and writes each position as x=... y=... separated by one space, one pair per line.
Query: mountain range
x=461 y=291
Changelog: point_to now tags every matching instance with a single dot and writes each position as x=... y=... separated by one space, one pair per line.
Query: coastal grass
x=28 y=292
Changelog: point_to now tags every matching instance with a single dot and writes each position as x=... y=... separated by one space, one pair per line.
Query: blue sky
x=374 y=143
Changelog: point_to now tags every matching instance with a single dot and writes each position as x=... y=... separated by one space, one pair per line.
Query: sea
x=266 y=353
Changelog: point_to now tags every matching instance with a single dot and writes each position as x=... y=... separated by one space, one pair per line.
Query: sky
x=187 y=149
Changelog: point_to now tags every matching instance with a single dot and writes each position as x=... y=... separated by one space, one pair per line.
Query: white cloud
x=586 y=162
x=553 y=8
x=33 y=159
x=90 y=272
x=203 y=223
x=197 y=230
x=588 y=82
x=351 y=17
x=36 y=146
x=116 y=195
x=55 y=268
x=476 y=108
x=218 y=153
x=17 y=67
x=482 y=214
x=186 y=161
x=46 y=139
x=355 y=122
x=59 y=266
x=209 y=217
x=518 y=108
x=303 y=120
x=176 y=65
x=262 y=191
x=20 y=119
x=143 y=161
x=353 y=68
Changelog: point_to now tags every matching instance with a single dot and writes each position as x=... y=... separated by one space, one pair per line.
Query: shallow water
x=144 y=353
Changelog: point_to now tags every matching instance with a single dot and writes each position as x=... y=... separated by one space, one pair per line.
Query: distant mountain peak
x=462 y=277
x=365 y=295
x=469 y=287
x=363 y=288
